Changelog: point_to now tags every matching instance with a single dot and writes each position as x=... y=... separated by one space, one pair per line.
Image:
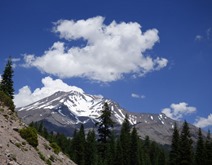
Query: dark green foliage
x=186 y=149
x=85 y=151
x=111 y=150
x=55 y=147
x=125 y=140
x=41 y=156
x=119 y=153
x=5 y=100
x=91 y=149
x=30 y=135
x=135 y=155
x=174 y=153
x=48 y=162
x=200 y=150
x=147 y=150
x=79 y=146
x=182 y=151
x=105 y=126
x=208 y=149
x=6 y=84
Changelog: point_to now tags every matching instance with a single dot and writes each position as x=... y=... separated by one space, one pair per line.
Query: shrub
x=6 y=101
x=52 y=158
x=48 y=162
x=30 y=135
x=18 y=145
x=41 y=156
x=55 y=147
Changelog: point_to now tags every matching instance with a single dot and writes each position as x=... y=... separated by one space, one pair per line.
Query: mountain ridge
x=65 y=111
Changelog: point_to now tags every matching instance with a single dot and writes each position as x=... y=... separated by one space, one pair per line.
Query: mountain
x=64 y=111
x=14 y=150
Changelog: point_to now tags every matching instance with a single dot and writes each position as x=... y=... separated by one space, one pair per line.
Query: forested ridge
x=104 y=147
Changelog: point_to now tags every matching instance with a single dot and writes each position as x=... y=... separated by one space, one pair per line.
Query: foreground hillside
x=14 y=150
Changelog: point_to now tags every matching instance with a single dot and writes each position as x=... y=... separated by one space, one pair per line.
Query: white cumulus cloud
x=25 y=96
x=110 y=51
x=203 y=122
x=177 y=111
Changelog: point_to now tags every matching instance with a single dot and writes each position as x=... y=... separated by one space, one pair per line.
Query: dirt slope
x=16 y=151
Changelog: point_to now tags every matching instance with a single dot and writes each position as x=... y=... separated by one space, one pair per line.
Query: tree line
x=185 y=152
x=105 y=147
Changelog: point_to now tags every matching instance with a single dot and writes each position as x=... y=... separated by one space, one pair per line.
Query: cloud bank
x=105 y=53
x=177 y=111
x=203 y=122
x=25 y=96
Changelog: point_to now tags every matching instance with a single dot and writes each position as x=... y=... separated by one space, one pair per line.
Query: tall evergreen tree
x=174 y=153
x=147 y=144
x=78 y=147
x=105 y=126
x=6 y=84
x=81 y=146
x=161 y=157
x=91 y=156
x=186 y=149
x=111 y=150
x=200 y=151
x=134 y=148
x=208 y=149
x=125 y=140
x=119 y=153
x=73 y=148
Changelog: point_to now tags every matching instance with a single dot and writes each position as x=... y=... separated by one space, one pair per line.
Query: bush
x=30 y=135
x=55 y=147
x=6 y=101
x=41 y=156
x=48 y=162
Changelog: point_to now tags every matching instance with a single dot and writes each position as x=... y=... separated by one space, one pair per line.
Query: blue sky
x=147 y=55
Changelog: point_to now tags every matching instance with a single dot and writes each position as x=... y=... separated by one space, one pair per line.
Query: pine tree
x=91 y=156
x=6 y=84
x=200 y=151
x=73 y=148
x=80 y=159
x=105 y=126
x=119 y=153
x=147 y=144
x=111 y=150
x=134 y=148
x=186 y=149
x=174 y=153
x=161 y=157
x=125 y=140
x=154 y=152
x=141 y=152
x=77 y=152
x=208 y=149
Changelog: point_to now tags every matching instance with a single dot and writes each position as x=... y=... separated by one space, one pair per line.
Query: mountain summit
x=64 y=111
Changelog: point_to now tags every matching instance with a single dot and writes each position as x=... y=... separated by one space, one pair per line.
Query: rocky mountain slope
x=65 y=111
x=16 y=151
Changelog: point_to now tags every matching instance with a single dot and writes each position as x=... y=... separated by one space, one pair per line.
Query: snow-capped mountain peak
x=65 y=111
